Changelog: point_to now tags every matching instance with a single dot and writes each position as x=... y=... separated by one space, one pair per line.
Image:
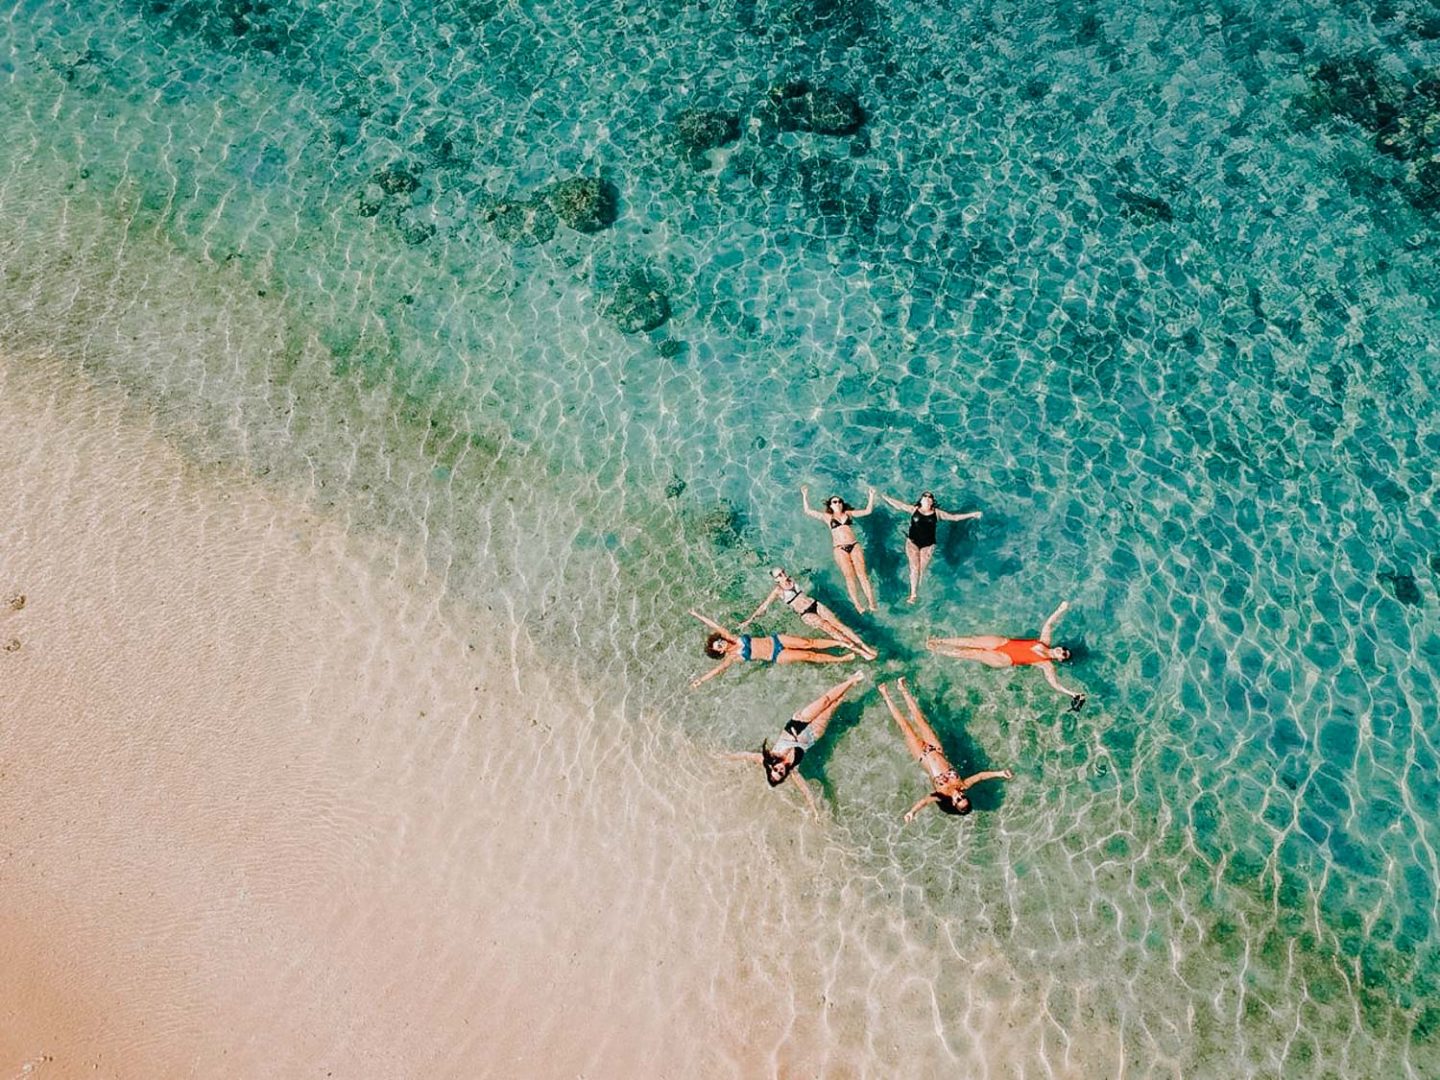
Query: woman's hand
x=909 y=816
x=1009 y=774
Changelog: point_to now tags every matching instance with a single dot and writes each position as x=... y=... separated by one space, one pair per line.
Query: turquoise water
x=1140 y=283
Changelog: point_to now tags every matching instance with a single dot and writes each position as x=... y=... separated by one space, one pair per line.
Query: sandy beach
x=268 y=815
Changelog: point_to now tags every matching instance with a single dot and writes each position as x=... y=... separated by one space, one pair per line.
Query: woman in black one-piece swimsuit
x=920 y=539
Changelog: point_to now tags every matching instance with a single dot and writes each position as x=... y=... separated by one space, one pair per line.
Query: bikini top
x=789 y=594
x=835 y=522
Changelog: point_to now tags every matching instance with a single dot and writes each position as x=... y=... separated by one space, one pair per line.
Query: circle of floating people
x=840 y=643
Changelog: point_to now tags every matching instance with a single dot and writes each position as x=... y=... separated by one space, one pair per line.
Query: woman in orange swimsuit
x=1002 y=652
x=849 y=555
x=949 y=794
x=730 y=648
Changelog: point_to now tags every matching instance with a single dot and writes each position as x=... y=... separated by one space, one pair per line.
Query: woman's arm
x=988 y=774
x=926 y=801
x=805 y=504
x=945 y=515
x=1054 y=618
x=869 y=506
x=1054 y=680
x=896 y=503
x=809 y=797
x=713 y=625
x=716 y=670
x=761 y=609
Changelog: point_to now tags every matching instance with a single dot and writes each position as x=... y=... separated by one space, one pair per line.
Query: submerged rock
x=15 y=601
x=1150 y=206
x=798 y=106
x=523 y=223
x=586 y=203
x=1404 y=586
x=639 y=305
x=699 y=131
x=396 y=180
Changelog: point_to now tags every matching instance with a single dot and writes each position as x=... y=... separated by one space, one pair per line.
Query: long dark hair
x=768 y=758
x=844 y=506
x=933 y=504
x=712 y=646
x=947 y=804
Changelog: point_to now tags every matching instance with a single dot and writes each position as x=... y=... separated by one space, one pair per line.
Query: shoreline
x=282 y=815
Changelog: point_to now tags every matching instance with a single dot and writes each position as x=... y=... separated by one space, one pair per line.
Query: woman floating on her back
x=849 y=555
x=1002 y=652
x=920 y=538
x=730 y=648
x=949 y=794
x=802 y=731
x=811 y=612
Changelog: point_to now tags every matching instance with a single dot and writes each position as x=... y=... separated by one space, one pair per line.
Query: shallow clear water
x=1134 y=281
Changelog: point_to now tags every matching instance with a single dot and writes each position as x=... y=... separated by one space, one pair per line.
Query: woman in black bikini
x=849 y=555
x=729 y=648
x=811 y=612
x=920 y=539
x=949 y=794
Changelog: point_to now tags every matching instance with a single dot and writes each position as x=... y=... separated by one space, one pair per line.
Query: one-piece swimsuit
x=1022 y=651
x=922 y=529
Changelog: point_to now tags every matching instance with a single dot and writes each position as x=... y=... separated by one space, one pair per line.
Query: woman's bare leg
x=982 y=656
x=825 y=619
x=857 y=560
x=985 y=641
x=917 y=718
x=925 y=556
x=912 y=553
x=792 y=641
x=805 y=656
x=917 y=749
x=842 y=560
x=818 y=713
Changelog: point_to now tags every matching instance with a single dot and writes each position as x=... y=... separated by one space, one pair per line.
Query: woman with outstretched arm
x=949 y=794
x=849 y=554
x=802 y=731
x=1000 y=652
x=920 y=537
x=811 y=612
x=730 y=648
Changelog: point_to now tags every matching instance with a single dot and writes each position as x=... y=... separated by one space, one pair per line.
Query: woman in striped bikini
x=731 y=648
x=1000 y=652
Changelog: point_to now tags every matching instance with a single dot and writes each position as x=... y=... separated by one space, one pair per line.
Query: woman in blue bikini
x=802 y=731
x=730 y=648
